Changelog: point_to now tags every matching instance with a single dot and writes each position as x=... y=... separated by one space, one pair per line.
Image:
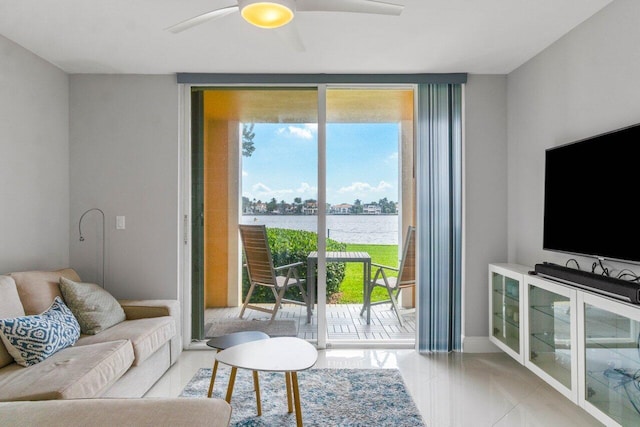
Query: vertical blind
x=439 y=217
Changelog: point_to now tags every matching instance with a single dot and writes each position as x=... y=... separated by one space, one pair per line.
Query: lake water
x=368 y=229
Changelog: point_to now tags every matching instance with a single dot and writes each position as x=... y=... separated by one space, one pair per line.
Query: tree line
x=310 y=206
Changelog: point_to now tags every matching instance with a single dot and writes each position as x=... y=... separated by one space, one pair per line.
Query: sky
x=362 y=162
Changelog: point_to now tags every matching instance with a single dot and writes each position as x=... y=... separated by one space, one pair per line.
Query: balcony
x=344 y=322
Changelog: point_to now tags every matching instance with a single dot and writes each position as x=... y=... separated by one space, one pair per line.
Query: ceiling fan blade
x=200 y=19
x=289 y=35
x=355 y=6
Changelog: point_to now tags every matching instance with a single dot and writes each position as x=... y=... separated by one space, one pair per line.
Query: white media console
x=583 y=344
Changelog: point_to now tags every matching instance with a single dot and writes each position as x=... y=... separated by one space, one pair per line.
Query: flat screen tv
x=590 y=192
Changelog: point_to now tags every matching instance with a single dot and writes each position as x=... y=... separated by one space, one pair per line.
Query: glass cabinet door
x=551 y=349
x=612 y=360
x=506 y=310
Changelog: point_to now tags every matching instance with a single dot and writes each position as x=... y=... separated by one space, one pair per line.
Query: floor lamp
x=103 y=240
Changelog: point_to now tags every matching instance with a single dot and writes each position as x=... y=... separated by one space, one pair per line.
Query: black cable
x=630 y=273
x=574 y=260
x=605 y=271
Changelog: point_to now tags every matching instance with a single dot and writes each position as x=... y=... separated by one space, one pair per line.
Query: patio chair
x=261 y=271
x=406 y=276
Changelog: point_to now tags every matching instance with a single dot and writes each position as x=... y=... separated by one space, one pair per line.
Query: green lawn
x=351 y=286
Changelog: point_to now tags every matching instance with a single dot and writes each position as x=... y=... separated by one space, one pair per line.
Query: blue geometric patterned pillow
x=31 y=339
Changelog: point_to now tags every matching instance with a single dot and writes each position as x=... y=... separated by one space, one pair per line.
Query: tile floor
x=456 y=389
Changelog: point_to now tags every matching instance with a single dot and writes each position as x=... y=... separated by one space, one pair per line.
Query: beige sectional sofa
x=122 y=361
x=97 y=381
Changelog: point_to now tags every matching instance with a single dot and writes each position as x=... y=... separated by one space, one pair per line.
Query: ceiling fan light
x=267 y=14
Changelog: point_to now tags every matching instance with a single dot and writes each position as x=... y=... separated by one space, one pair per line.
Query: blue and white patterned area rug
x=329 y=397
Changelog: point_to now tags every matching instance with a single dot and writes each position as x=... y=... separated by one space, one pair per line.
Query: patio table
x=312 y=262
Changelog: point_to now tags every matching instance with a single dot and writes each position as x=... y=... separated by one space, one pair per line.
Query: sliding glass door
x=324 y=170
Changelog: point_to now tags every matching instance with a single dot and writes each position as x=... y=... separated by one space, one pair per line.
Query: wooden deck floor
x=343 y=322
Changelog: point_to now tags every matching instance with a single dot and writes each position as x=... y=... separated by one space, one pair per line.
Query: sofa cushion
x=38 y=289
x=146 y=335
x=150 y=412
x=73 y=373
x=94 y=307
x=137 y=309
x=10 y=306
x=31 y=339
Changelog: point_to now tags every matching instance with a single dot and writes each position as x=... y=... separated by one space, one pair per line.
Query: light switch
x=120 y=222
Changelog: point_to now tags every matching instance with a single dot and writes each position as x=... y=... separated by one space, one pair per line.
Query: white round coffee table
x=283 y=354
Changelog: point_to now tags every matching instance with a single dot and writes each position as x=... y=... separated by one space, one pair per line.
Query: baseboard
x=478 y=345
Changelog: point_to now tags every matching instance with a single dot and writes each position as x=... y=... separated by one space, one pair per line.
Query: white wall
x=124 y=157
x=485 y=196
x=586 y=83
x=34 y=161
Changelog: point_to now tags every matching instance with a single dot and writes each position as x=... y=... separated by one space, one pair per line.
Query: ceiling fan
x=278 y=13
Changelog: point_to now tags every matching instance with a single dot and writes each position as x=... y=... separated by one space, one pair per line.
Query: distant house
x=261 y=208
x=343 y=208
x=371 y=210
x=310 y=208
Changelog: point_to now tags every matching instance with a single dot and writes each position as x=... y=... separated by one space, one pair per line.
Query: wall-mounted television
x=590 y=192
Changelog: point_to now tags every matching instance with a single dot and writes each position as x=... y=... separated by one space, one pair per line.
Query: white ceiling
x=431 y=36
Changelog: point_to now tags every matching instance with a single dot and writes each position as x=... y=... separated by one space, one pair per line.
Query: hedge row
x=291 y=246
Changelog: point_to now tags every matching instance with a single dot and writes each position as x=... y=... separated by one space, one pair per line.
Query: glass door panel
x=506 y=310
x=370 y=196
x=612 y=364
x=551 y=340
x=260 y=155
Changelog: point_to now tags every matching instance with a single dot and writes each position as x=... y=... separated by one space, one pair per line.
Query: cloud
x=245 y=173
x=364 y=187
x=305 y=188
x=306 y=131
x=393 y=157
x=260 y=187
x=264 y=192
